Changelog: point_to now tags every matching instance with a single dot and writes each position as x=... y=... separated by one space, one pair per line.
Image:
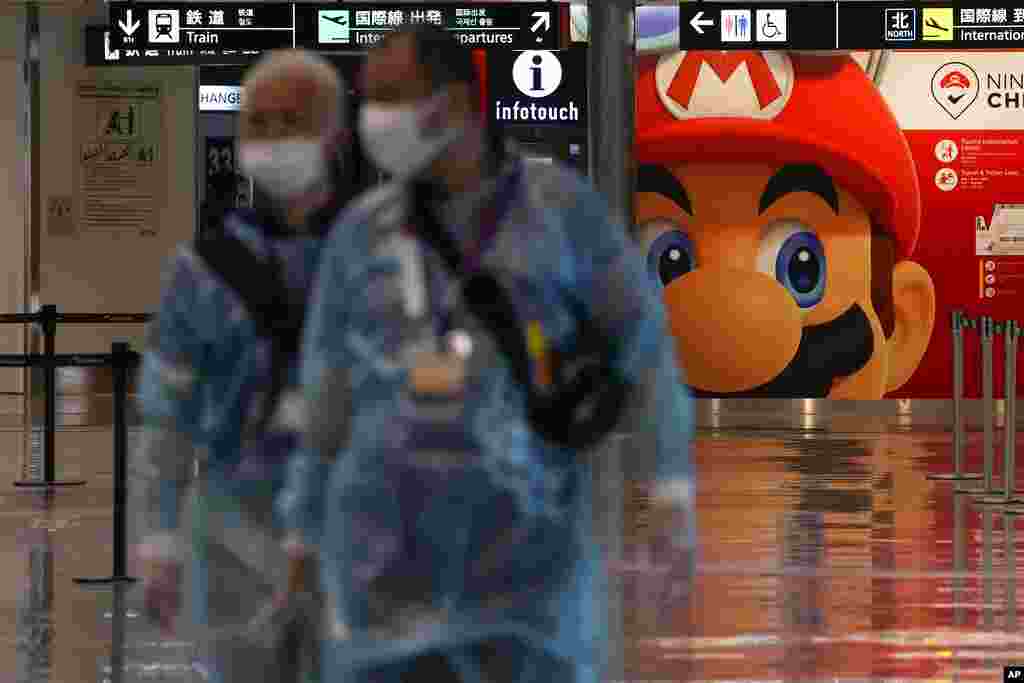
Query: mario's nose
x=734 y=329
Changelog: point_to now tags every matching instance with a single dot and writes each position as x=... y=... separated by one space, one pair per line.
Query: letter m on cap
x=745 y=84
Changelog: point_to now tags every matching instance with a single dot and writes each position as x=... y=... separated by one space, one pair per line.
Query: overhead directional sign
x=849 y=25
x=156 y=32
x=514 y=26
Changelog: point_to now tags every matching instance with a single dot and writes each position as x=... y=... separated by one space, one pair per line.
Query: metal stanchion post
x=988 y=330
x=121 y=358
x=48 y=321
x=959 y=323
x=1011 y=332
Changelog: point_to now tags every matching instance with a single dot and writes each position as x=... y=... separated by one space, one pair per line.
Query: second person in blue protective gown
x=456 y=543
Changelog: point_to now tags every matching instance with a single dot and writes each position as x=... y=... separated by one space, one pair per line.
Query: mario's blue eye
x=794 y=256
x=670 y=256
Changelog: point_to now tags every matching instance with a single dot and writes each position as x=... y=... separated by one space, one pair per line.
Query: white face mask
x=395 y=139
x=284 y=169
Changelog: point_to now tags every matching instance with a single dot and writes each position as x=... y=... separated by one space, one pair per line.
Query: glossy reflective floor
x=823 y=557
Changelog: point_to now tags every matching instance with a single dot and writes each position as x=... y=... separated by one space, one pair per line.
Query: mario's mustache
x=827 y=352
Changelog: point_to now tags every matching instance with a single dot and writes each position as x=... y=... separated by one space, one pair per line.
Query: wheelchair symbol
x=769 y=30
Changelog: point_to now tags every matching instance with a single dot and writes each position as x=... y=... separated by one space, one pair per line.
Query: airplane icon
x=931 y=23
x=340 y=20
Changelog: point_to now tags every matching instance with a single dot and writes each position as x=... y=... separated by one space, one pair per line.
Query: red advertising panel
x=814 y=218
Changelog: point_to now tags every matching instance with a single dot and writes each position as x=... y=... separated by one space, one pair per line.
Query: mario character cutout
x=777 y=202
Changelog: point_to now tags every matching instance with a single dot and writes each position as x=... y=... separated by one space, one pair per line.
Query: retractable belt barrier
x=47 y=318
x=123 y=360
x=988 y=492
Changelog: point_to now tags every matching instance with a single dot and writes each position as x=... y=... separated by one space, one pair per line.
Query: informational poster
x=961 y=113
x=120 y=174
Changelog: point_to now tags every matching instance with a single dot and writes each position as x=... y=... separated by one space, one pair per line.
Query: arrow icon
x=543 y=19
x=131 y=26
x=697 y=22
x=112 y=55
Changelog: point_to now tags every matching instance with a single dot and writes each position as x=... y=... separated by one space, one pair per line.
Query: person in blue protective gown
x=210 y=418
x=454 y=529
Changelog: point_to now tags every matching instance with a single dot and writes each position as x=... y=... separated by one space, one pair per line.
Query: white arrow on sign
x=131 y=26
x=543 y=19
x=111 y=55
x=697 y=22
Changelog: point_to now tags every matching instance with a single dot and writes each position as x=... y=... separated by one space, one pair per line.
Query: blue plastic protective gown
x=448 y=527
x=204 y=373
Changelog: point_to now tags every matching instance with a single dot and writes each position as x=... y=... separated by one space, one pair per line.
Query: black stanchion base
x=107 y=580
x=48 y=484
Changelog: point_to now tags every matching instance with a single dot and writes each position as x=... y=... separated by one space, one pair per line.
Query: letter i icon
x=536 y=70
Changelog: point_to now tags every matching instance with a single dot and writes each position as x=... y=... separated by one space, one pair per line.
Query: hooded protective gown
x=202 y=378
x=450 y=534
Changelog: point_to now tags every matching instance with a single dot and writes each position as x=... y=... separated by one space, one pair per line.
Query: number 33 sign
x=220 y=157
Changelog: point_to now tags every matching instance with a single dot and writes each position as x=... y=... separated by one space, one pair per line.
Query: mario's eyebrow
x=659 y=180
x=800 y=178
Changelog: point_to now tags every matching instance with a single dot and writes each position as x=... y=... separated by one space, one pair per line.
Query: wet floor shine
x=823 y=557
x=829 y=557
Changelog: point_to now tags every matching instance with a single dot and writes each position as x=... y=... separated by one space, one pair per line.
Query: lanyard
x=491 y=216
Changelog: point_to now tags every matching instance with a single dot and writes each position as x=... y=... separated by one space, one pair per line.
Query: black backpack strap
x=482 y=294
x=260 y=284
x=588 y=397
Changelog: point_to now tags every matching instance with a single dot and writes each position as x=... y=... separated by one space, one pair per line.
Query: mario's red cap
x=744 y=106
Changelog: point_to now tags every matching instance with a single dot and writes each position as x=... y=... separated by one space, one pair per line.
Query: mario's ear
x=913 y=296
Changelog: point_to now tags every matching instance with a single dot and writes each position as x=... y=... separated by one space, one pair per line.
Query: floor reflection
x=824 y=557
x=830 y=557
x=36 y=625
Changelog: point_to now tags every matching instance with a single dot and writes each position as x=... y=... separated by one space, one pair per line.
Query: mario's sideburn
x=778 y=204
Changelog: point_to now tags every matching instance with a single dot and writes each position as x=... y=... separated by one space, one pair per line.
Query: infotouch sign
x=533 y=112
x=537 y=74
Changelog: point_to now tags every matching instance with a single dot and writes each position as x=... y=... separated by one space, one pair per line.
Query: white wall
x=102 y=271
x=12 y=188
